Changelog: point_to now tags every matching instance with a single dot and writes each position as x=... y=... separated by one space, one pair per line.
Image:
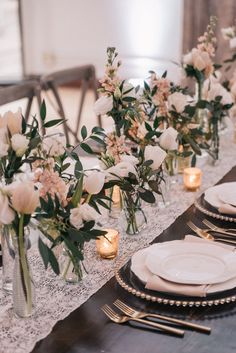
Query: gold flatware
x=230 y=231
x=139 y=314
x=202 y=233
x=120 y=319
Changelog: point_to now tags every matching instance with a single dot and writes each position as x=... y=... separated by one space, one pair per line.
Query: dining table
x=88 y=330
x=68 y=317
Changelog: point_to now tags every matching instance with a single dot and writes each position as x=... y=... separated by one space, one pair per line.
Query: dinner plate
x=183 y=262
x=228 y=195
x=214 y=194
x=203 y=206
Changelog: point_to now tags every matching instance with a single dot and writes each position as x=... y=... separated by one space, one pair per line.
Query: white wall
x=65 y=33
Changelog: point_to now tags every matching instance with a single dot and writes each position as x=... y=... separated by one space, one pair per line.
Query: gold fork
x=120 y=319
x=219 y=229
x=202 y=233
x=139 y=314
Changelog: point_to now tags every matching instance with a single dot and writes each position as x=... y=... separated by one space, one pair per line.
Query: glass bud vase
x=23 y=285
x=71 y=271
x=115 y=204
x=133 y=219
x=8 y=256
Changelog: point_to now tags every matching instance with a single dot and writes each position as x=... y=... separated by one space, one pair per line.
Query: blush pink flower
x=116 y=146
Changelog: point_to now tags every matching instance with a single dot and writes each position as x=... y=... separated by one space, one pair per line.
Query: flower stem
x=24 y=265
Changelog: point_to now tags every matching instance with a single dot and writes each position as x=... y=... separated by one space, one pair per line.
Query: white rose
x=13 y=121
x=19 y=144
x=88 y=213
x=3 y=143
x=103 y=105
x=233 y=89
x=227 y=32
x=75 y=218
x=7 y=215
x=129 y=158
x=168 y=139
x=54 y=145
x=201 y=59
x=121 y=170
x=156 y=154
x=188 y=59
x=178 y=100
x=232 y=43
x=94 y=181
x=216 y=90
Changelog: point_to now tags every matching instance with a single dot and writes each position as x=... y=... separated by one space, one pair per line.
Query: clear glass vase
x=133 y=219
x=8 y=256
x=71 y=271
x=23 y=285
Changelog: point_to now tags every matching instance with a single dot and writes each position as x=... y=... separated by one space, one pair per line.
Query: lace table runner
x=55 y=300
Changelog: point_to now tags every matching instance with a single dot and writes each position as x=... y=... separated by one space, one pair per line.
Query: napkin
x=159 y=284
x=227 y=209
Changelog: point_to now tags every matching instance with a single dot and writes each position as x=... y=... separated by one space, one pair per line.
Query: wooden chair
x=85 y=76
x=27 y=89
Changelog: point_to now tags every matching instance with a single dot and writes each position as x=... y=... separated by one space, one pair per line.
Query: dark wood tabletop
x=88 y=330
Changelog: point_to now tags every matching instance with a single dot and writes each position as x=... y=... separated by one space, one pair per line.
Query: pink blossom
x=116 y=146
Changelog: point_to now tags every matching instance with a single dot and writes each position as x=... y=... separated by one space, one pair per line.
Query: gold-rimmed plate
x=211 y=211
x=130 y=282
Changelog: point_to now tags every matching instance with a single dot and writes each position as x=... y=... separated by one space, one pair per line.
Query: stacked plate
x=219 y=202
x=193 y=268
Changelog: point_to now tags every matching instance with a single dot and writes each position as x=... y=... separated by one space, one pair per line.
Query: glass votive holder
x=192 y=178
x=107 y=245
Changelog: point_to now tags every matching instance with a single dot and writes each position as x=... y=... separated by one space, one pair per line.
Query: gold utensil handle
x=227 y=241
x=201 y=328
x=226 y=233
x=160 y=326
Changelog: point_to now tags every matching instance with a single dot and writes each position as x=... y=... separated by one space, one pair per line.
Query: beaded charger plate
x=203 y=206
x=130 y=282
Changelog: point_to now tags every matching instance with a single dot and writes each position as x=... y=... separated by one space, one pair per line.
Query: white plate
x=187 y=263
x=139 y=268
x=228 y=195
x=212 y=195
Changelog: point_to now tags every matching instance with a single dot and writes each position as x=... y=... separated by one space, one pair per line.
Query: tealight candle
x=107 y=245
x=192 y=178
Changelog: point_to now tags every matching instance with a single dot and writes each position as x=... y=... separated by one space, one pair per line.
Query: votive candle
x=107 y=245
x=192 y=178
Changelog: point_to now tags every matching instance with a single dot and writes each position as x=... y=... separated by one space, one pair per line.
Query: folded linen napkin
x=159 y=284
x=227 y=209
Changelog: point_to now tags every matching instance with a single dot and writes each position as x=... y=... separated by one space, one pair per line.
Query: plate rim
x=167 y=301
x=213 y=214
x=173 y=279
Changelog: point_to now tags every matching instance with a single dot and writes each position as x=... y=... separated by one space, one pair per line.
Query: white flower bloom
x=168 y=139
x=156 y=154
x=103 y=105
x=13 y=121
x=121 y=170
x=178 y=100
x=19 y=144
x=3 y=142
x=7 y=215
x=201 y=59
x=228 y=32
x=188 y=59
x=75 y=218
x=88 y=213
x=215 y=90
x=129 y=158
x=94 y=181
x=54 y=145
x=232 y=43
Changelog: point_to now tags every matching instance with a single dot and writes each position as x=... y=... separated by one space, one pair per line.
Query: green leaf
x=54 y=122
x=84 y=132
x=129 y=99
x=146 y=195
x=53 y=262
x=78 y=169
x=86 y=148
x=164 y=74
x=43 y=249
x=43 y=111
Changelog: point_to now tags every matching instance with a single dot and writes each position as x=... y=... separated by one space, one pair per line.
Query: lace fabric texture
x=55 y=299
